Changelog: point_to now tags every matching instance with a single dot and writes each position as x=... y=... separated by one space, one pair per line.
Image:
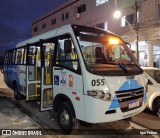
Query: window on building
x=43 y=25
x=123 y=21
x=99 y=2
x=35 y=29
x=130 y=18
x=81 y=8
x=53 y=21
x=65 y=16
x=103 y=25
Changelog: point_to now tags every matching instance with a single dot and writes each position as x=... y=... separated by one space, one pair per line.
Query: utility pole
x=136 y=29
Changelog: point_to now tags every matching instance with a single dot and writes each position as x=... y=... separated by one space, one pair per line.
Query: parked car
x=153 y=89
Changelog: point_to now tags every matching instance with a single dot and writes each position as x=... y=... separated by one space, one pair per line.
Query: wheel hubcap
x=64 y=118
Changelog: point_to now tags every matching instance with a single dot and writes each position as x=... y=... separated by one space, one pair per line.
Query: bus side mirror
x=67 y=46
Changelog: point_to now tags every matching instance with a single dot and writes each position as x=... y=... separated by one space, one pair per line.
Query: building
x=99 y=13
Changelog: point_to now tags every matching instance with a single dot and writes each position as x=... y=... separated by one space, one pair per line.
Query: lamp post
x=117 y=14
x=136 y=28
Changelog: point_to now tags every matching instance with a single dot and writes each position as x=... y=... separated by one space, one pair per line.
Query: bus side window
x=67 y=55
x=25 y=53
x=14 y=56
x=19 y=56
x=31 y=55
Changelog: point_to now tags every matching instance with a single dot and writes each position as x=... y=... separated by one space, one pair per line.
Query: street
x=25 y=115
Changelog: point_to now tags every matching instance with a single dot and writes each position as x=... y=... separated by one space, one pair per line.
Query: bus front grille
x=128 y=97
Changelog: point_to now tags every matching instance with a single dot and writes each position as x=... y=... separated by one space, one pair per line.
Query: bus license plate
x=133 y=104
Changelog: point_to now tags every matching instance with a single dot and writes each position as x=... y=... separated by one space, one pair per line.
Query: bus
x=82 y=73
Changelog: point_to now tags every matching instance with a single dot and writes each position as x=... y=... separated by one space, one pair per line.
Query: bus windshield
x=104 y=52
x=103 y=49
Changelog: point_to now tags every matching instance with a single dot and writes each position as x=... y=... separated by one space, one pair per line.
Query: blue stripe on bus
x=128 y=85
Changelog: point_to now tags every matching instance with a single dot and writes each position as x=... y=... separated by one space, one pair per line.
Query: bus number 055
x=98 y=82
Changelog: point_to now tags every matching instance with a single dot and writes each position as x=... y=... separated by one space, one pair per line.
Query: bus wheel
x=158 y=107
x=66 y=118
x=17 y=95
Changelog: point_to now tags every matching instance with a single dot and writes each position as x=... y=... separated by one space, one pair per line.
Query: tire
x=17 y=95
x=66 y=118
x=158 y=107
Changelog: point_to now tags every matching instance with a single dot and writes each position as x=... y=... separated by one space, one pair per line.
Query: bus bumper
x=97 y=111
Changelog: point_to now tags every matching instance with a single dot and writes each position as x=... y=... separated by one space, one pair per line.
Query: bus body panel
x=10 y=75
x=96 y=109
x=71 y=85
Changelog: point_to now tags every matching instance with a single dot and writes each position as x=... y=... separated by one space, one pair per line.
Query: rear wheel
x=66 y=118
x=158 y=107
x=17 y=95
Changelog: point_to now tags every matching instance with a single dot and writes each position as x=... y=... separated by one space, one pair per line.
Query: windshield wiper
x=123 y=67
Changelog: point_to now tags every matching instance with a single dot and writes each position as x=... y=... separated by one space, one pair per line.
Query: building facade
x=99 y=13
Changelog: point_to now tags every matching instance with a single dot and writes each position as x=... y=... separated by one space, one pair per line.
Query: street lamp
x=117 y=14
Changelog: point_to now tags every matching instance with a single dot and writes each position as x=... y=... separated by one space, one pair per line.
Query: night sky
x=16 y=17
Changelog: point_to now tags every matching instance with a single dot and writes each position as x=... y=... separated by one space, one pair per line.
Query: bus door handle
x=58 y=68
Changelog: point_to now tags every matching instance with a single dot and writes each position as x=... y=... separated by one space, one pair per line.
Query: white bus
x=80 y=72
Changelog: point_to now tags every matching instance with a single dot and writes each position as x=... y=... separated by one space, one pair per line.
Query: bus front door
x=46 y=77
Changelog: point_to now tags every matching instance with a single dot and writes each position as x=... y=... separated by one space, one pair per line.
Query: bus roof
x=43 y=36
x=55 y=32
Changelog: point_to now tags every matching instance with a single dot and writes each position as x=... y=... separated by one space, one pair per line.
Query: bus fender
x=62 y=98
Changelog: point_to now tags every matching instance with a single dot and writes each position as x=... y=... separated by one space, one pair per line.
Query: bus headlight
x=100 y=94
x=108 y=96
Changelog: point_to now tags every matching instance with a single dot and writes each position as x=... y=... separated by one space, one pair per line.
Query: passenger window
x=13 y=58
x=19 y=56
x=31 y=55
x=66 y=53
x=48 y=53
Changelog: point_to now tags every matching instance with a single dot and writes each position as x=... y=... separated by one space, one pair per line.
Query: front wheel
x=158 y=107
x=66 y=118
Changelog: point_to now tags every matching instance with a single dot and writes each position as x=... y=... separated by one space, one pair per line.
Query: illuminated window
x=99 y=2
x=123 y=21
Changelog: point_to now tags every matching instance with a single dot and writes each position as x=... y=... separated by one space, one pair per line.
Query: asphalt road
x=25 y=115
